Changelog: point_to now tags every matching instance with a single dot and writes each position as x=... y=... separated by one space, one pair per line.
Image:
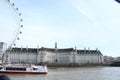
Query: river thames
x=82 y=73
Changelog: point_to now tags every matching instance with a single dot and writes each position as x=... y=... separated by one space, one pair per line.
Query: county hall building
x=55 y=56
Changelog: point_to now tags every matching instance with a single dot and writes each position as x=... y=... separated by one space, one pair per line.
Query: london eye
x=10 y=24
x=10 y=27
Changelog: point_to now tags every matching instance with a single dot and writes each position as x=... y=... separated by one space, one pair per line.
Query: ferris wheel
x=10 y=24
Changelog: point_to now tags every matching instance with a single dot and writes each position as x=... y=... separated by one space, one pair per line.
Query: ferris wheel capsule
x=18 y=38
x=19 y=14
x=13 y=4
x=21 y=26
x=20 y=32
x=21 y=19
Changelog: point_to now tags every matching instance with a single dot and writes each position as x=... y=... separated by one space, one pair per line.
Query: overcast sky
x=81 y=23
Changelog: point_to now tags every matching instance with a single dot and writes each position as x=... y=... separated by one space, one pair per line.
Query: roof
x=58 y=50
x=24 y=49
x=41 y=49
x=34 y=50
x=89 y=52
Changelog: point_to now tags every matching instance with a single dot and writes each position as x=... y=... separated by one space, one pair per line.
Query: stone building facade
x=55 y=56
x=50 y=55
x=2 y=49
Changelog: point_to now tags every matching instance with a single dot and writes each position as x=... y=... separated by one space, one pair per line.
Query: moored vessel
x=23 y=69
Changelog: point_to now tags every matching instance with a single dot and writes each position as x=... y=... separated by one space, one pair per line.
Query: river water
x=82 y=73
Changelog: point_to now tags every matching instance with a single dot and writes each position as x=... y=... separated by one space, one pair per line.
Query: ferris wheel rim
x=18 y=27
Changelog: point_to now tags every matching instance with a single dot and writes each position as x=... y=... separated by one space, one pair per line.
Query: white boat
x=23 y=69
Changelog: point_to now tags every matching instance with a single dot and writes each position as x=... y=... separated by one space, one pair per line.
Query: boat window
x=0 y=68
x=17 y=69
x=34 y=68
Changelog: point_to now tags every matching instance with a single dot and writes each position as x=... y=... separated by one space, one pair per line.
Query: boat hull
x=17 y=72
